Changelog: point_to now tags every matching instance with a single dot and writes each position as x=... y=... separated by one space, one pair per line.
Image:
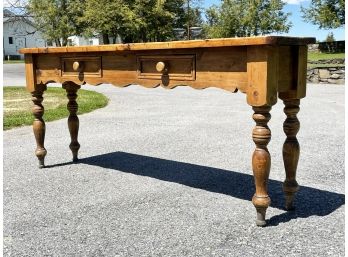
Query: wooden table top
x=221 y=42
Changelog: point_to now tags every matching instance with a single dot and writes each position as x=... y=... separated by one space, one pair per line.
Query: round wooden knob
x=77 y=66
x=161 y=67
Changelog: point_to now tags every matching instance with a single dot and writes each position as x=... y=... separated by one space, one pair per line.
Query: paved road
x=168 y=173
x=14 y=74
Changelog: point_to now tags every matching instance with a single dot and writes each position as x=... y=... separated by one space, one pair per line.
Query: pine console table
x=264 y=68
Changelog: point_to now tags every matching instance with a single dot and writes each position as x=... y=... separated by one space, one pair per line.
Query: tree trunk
x=106 y=39
x=143 y=37
x=57 y=41
x=64 y=41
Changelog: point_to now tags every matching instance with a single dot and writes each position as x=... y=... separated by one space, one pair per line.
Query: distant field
x=323 y=56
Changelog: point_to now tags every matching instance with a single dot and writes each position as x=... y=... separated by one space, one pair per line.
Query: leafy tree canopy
x=327 y=14
x=246 y=18
x=330 y=37
x=56 y=19
x=132 y=20
x=137 y=20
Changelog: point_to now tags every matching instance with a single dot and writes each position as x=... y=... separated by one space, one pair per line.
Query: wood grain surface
x=221 y=42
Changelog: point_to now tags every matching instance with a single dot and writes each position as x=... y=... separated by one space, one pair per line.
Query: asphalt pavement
x=168 y=173
x=14 y=74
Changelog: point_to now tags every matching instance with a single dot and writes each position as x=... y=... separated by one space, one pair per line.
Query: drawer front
x=176 y=67
x=86 y=66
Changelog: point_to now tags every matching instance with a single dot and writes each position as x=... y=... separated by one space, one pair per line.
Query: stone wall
x=327 y=75
x=332 y=75
x=335 y=61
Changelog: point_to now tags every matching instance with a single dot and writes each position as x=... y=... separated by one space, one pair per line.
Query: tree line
x=132 y=20
x=155 y=20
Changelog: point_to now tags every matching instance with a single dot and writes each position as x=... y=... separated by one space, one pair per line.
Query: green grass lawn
x=311 y=65
x=13 y=61
x=17 y=105
x=323 y=56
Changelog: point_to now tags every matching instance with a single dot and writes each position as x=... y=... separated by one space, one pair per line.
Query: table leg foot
x=261 y=204
x=73 y=120
x=261 y=162
x=261 y=217
x=289 y=201
x=291 y=151
x=40 y=154
x=39 y=127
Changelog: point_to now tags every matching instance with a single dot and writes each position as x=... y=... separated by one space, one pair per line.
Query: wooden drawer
x=77 y=66
x=176 y=67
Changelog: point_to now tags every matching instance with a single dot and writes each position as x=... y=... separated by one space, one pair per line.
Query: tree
x=16 y=13
x=15 y=9
x=187 y=12
x=327 y=14
x=330 y=37
x=132 y=20
x=246 y=18
x=56 y=19
x=193 y=16
x=156 y=20
x=108 y=18
x=135 y=20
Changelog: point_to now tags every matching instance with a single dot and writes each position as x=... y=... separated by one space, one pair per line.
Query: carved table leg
x=291 y=150
x=261 y=162
x=39 y=127
x=73 y=120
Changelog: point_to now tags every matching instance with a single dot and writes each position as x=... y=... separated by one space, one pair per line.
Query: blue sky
x=299 y=27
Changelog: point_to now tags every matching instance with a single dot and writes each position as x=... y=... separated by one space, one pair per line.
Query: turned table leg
x=291 y=150
x=39 y=127
x=261 y=162
x=73 y=120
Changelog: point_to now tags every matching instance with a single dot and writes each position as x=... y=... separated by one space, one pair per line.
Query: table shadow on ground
x=309 y=201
